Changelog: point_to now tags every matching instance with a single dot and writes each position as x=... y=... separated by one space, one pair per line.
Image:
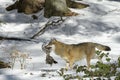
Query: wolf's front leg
x=71 y=64
x=67 y=65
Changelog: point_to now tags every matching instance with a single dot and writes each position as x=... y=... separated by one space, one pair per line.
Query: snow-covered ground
x=98 y=23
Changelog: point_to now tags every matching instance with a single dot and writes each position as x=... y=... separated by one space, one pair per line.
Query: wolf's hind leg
x=89 y=57
x=88 y=62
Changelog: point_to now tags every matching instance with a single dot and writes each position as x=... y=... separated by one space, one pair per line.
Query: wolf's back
x=102 y=47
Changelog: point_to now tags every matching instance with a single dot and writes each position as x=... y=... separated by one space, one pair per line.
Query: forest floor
x=99 y=23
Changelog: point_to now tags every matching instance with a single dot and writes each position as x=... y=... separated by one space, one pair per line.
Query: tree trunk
x=55 y=8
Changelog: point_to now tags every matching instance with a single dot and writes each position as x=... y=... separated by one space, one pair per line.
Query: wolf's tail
x=102 y=47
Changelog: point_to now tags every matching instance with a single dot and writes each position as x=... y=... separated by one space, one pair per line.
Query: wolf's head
x=52 y=42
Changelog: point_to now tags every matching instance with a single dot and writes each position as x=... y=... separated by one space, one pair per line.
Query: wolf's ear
x=53 y=39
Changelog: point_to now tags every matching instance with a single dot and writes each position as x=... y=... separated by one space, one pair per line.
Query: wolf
x=75 y=52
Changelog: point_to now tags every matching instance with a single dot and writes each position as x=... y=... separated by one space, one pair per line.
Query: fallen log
x=15 y=38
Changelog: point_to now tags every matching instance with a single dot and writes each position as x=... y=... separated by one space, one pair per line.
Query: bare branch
x=49 y=23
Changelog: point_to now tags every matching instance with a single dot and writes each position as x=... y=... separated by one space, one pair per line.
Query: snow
x=98 y=23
